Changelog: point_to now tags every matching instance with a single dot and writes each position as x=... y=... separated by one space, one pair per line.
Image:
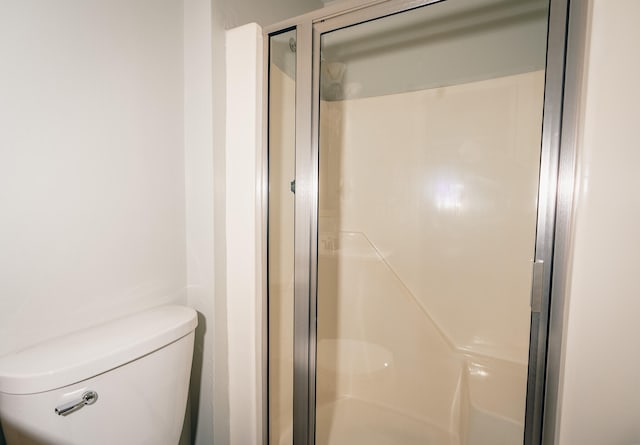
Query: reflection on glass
x=430 y=126
x=282 y=82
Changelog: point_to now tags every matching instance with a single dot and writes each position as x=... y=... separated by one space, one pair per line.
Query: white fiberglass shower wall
x=434 y=312
x=429 y=139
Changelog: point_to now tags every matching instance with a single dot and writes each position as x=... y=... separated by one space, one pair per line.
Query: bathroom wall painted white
x=240 y=12
x=601 y=388
x=243 y=226
x=199 y=29
x=91 y=164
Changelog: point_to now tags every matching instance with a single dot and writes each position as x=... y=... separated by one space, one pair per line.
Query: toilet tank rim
x=84 y=354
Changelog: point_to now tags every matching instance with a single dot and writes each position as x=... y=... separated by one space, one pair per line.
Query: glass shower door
x=281 y=150
x=429 y=155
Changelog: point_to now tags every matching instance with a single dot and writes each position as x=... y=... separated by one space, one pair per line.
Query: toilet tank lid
x=83 y=354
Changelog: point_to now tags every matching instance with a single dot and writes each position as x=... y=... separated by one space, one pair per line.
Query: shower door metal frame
x=566 y=33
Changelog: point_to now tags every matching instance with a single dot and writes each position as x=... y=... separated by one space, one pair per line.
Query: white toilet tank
x=123 y=382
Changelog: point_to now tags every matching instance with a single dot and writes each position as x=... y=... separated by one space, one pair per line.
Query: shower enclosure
x=412 y=166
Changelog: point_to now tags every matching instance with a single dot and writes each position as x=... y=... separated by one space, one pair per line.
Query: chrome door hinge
x=537 y=286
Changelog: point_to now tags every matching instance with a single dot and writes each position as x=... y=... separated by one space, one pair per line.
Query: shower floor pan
x=351 y=421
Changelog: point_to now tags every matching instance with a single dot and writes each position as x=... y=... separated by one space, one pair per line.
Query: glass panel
x=430 y=133
x=282 y=106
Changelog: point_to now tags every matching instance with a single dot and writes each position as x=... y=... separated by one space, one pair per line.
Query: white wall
x=601 y=389
x=199 y=193
x=240 y=12
x=91 y=163
x=243 y=227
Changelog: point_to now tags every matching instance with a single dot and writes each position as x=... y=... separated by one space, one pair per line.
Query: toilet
x=122 y=382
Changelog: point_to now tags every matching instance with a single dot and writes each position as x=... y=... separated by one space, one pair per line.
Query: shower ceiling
x=423 y=42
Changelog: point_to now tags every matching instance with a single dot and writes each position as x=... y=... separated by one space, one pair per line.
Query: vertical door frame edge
x=546 y=218
x=575 y=55
x=305 y=197
x=263 y=198
x=313 y=260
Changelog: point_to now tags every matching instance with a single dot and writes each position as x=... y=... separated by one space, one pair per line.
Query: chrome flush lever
x=88 y=398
